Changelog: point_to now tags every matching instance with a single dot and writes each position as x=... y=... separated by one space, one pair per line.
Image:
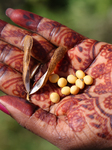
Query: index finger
x=53 y=31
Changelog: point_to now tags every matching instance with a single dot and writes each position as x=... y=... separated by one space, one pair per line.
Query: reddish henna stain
x=78 y=58
x=49 y=25
x=103 y=70
x=47 y=46
x=14 y=61
x=42 y=97
x=98 y=70
x=100 y=89
x=65 y=105
x=64 y=64
x=39 y=51
x=90 y=116
x=80 y=48
x=104 y=112
x=4 y=51
x=10 y=82
x=18 y=60
x=19 y=90
x=102 y=135
x=2 y=69
x=93 y=48
x=42 y=94
x=70 y=37
x=15 y=33
x=100 y=124
x=76 y=120
x=2 y=25
x=96 y=125
x=85 y=48
x=46 y=117
x=107 y=52
x=89 y=46
x=108 y=102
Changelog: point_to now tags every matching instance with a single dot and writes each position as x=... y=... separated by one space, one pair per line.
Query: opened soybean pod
x=56 y=58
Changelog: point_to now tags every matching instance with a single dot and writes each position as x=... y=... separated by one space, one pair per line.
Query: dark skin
x=82 y=121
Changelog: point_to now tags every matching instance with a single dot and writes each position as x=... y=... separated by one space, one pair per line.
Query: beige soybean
x=65 y=90
x=62 y=82
x=80 y=74
x=53 y=78
x=71 y=79
x=88 y=80
x=54 y=97
x=74 y=90
x=80 y=83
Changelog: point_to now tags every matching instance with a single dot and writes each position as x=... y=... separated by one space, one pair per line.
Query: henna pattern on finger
x=18 y=88
x=11 y=56
x=18 y=62
x=19 y=91
x=101 y=70
x=83 y=54
x=11 y=81
x=58 y=33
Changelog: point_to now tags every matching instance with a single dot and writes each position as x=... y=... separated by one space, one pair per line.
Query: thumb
x=33 y=118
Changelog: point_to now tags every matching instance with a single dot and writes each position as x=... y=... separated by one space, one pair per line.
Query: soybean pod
x=56 y=58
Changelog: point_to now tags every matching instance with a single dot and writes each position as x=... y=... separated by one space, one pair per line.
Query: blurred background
x=92 y=18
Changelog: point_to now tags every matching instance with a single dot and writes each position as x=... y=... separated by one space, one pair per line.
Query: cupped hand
x=82 y=121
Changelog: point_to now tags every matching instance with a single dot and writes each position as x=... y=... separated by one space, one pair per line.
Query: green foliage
x=92 y=18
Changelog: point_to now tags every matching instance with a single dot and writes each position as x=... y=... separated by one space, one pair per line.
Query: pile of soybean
x=78 y=82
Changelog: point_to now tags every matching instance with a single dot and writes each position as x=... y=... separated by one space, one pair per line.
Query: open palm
x=82 y=121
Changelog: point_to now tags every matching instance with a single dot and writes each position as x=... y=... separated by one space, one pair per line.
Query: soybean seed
x=71 y=79
x=74 y=89
x=53 y=78
x=88 y=80
x=80 y=83
x=62 y=82
x=65 y=90
x=80 y=74
x=54 y=97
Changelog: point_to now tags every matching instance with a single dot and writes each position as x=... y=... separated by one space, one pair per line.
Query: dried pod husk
x=33 y=71
x=28 y=43
x=56 y=58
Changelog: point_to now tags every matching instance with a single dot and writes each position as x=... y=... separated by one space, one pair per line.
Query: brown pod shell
x=28 y=43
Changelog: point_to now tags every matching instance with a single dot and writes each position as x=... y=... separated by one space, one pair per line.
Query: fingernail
x=2 y=108
x=9 y=11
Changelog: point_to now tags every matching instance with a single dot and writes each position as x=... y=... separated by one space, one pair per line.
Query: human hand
x=82 y=121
